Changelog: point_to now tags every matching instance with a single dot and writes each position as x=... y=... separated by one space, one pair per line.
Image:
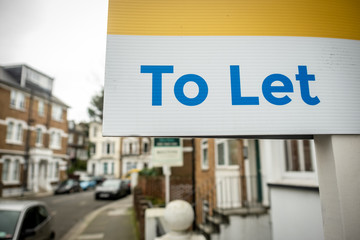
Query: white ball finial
x=179 y=215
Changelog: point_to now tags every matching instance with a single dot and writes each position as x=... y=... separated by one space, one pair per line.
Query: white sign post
x=167 y=153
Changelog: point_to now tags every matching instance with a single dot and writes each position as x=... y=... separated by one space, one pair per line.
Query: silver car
x=28 y=220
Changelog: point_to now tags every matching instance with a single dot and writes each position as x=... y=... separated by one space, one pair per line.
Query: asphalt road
x=69 y=209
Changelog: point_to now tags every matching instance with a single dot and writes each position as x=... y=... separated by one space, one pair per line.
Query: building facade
x=33 y=132
x=135 y=154
x=77 y=141
x=104 y=153
x=257 y=189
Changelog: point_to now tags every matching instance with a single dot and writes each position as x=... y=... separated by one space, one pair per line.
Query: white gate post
x=338 y=164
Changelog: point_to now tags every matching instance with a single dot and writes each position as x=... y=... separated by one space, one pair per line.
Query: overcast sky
x=65 y=39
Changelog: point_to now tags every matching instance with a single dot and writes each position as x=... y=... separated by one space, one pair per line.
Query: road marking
x=92 y=236
x=82 y=203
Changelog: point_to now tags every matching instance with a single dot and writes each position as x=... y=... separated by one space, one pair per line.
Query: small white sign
x=167 y=152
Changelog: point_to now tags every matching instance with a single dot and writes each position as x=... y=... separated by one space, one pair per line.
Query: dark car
x=127 y=183
x=28 y=220
x=68 y=186
x=111 y=189
x=99 y=179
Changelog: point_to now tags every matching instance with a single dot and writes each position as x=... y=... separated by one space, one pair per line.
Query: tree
x=95 y=110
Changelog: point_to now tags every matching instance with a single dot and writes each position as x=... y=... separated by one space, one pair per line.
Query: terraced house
x=33 y=132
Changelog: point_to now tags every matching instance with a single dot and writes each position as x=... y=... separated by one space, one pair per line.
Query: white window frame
x=107 y=168
x=226 y=154
x=93 y=149
x=80 y=140
x=17 y=100
x=71 y=138
x=95 y=130
x=57 y=113
x=41 y=108
x=43 y=130
x=15 y=137
x=39 y=137
x=145 y=141
x=55 y=138
x=302 y=174
x=111 y=145
x=71 y=125
x=204 y=145
x=13 y=161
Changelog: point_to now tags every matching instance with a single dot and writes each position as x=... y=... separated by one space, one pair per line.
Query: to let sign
x=232 y=68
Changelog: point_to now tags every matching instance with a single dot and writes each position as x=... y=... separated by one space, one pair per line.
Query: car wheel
x=52 y=236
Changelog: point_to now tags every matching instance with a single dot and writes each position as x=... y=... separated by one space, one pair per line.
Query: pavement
x=111 y=222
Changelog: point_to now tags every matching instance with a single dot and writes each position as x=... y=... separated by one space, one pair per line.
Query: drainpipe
x=30 y=121
x=258 y=172
x=193 y=182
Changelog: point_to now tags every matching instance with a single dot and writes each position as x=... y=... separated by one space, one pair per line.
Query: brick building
x=33 y=132
x=78 y=141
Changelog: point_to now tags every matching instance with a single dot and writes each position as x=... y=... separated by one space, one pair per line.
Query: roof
x=17 y=205
x=11 y=76
x=6 y=78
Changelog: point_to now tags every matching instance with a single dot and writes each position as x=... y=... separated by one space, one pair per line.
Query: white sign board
x=165 y=82
x=167 y=152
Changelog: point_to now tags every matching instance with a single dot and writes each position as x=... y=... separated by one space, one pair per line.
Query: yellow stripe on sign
x=307 y=18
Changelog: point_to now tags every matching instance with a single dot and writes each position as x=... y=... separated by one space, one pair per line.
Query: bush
x=150 y=172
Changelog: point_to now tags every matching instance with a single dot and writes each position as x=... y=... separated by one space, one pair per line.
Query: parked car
x=28 y=220
x=111 y=189
x=99 y=179
x=127 y=183
x=87 y=183
x=68 y=186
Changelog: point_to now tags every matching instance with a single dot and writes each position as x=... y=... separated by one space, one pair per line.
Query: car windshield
x=8 y=220
x=111 y=183
x=67 y=183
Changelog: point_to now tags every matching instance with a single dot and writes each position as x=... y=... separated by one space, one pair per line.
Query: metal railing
x=226 y=193
x=237 y=191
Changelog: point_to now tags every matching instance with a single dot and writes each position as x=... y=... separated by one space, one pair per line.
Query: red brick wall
x=205 y=179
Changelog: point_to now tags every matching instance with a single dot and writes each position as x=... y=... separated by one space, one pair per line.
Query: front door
x=43 y=175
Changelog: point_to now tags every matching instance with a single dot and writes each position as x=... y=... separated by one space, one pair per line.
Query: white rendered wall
x=246 y=228
x=296 y=214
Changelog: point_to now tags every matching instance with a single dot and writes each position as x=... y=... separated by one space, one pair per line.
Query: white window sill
x=227 y=167
x=293 y=175
x=18 y=109
x=204 y=168
x=297 y=182
x=7 y=183
x=38 y=144
x=57 y=120
x=55 y=148
x=13 y=142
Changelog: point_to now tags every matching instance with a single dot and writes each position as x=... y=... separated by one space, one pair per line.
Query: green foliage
x=156 y=202
x=78 y=165
x=95 y=110
x=150 y=172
